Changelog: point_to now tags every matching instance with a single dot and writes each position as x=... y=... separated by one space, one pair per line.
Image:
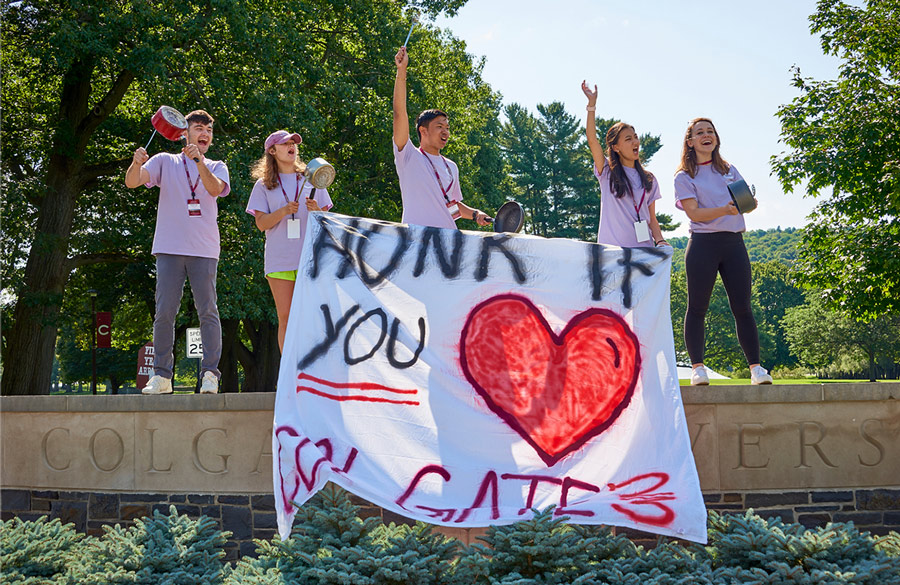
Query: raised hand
x=401 y=59
x=312 y=205
x=590 y=95
x=140 y=156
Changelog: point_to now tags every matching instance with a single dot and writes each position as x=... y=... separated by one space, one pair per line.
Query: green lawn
x=746 y=381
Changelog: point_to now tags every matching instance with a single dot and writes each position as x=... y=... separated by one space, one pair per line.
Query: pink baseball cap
x=280 y=137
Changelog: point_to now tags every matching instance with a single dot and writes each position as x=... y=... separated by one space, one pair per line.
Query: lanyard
x=436 y=176
x=186 y=174
x=637 y=208
x=296 y=195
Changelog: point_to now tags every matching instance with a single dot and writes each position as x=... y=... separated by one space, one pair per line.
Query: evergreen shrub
x=36 y=553
x=331 y=544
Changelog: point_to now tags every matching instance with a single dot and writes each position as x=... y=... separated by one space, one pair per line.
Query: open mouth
x=706 y=142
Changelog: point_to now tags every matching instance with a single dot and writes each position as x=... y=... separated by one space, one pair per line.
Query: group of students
x=186 y=239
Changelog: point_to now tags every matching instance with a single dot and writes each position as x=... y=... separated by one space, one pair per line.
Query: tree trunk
x=260 y=364
x=31 y=343
x=228 y=363
x=871 y=366
x=28 y=365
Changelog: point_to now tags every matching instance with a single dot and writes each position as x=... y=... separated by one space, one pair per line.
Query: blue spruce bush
x=36 y=553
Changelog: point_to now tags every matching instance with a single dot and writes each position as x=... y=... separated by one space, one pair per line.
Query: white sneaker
x=158 y=385
x=209 y=384
x=699 y=377
x=759 y=375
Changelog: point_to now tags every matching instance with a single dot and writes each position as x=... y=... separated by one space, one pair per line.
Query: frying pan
x=170 y=123
x=509 y=218
x=742 y=195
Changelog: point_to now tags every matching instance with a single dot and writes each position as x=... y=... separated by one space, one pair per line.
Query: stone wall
x=810 y=454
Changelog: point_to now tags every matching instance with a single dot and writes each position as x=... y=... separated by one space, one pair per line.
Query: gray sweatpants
x=171 y=270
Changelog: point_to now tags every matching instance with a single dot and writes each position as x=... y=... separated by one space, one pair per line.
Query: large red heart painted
x=556 y=391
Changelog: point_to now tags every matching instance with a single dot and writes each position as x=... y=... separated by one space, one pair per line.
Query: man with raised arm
x=186 y=245
x=429 y=182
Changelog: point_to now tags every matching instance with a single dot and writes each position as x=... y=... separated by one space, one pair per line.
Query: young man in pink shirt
x=186 y=245
x=429 y=182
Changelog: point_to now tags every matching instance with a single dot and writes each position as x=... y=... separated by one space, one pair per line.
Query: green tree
x=833 y=343
x=80 y=80
x=567 y=160
x=843 y=136
x=775 y=290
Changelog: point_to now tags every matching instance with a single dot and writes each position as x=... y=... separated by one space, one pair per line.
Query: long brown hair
x=689 y=157
x=266 y=169
x=618 y=182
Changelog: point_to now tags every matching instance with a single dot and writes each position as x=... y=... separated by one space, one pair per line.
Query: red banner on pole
x=144 y=365
x=104 y=329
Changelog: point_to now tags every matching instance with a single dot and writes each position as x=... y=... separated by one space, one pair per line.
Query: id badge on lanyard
x=293 y=224
x=452 y=205
x=194 y=208
x=453 y=208
x=293 y=229
x=641 y=226
x=193 y=204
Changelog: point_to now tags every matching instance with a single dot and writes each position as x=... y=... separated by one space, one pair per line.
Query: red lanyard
x=296 y=195
x=637 y=208
x=186 y=174
x=436 y=176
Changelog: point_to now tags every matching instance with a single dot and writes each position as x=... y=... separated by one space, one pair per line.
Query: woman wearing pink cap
x=275 y=203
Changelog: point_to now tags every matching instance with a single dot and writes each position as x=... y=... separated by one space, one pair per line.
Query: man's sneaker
x=158 y=385
x=699 y=377
x=759 y=375
x=209 y=384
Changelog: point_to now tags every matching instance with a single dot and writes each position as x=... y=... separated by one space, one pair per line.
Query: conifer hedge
x=331 y=544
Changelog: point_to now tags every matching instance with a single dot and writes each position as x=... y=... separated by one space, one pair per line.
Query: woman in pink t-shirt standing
x=280 y=203
x=628 y=193
x=716 y=247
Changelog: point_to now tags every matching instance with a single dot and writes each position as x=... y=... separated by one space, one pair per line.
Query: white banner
x=466 y=378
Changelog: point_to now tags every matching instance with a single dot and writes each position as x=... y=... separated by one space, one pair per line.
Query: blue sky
x=657 y=65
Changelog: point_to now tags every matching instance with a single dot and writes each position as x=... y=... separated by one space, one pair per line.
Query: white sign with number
x=194 y=343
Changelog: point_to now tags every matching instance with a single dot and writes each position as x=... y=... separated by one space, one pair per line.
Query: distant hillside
x=762 y=245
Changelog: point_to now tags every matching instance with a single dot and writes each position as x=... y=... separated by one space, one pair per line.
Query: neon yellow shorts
x=284 y=275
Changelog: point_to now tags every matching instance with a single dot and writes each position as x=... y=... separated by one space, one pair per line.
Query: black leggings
x=709 y=254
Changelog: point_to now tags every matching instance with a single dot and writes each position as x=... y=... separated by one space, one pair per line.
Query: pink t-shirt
x=281 y=253
x=710 y=189
x=423 y=201
x=177 y=232
x=617 y=214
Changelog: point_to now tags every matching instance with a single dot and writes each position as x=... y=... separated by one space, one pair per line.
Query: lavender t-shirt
x=710 y=189
x=177 y=232
x=617 y=214
x=423 y=201
x=281 y=253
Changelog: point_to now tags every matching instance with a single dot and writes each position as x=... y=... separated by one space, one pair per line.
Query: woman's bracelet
x=592 y=108
x=656 y=243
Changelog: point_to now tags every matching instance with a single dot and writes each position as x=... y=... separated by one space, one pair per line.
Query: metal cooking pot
x=743 y=196
x=320 y=173
x=169 y=122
